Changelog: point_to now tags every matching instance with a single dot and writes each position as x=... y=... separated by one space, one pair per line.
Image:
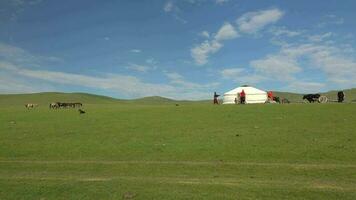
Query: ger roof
x=247 y=89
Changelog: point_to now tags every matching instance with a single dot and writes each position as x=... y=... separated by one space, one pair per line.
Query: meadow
x=120 y=150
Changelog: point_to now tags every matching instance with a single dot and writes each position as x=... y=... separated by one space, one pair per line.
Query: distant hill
x=350 y=95
x=48 y=97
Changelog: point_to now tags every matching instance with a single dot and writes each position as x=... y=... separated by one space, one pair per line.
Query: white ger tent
x=253 y=95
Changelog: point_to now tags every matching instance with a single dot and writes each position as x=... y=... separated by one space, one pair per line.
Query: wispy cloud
x=16 y=77
x=283 y=31
x=226 y=32
x=140 y=68
x=201 y=52
x=20 y=56
x=135 y=50
x=248 y=23
x=319 y=38
x=14 y=8
x=204 y=34
x=168 y=6
x=252 y=22
x=331 y=19
x=221 y=1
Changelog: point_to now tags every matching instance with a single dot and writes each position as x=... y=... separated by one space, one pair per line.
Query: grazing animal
x=54 y=105
x=311 y=97
x=81 y=111
x=79 y=105
x=31 y=105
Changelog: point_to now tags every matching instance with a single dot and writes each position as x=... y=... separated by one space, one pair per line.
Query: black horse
x=311 y=97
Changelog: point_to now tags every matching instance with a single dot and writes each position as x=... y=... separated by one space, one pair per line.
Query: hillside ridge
x=47 y=97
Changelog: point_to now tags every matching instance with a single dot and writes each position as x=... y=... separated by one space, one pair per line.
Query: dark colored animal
x=311 y=97
x=284 y=100
x=81 y=111
x=340 y=96
x=276 y=99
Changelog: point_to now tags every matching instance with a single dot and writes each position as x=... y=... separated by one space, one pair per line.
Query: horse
x=31 y=105
x=311 y=97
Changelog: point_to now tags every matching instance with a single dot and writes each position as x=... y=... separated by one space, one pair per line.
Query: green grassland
x=148 y=149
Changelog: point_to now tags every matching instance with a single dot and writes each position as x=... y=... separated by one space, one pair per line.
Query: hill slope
x=350 y=95
x=48 y=97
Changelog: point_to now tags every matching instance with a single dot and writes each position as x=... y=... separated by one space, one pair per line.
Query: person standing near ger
x=216 y=98
x=270 y=96
x=340 y=96
x=242 y=97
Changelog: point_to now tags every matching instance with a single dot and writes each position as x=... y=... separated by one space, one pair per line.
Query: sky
x=181 y=49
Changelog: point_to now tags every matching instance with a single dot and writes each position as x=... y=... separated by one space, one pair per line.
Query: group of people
x=242 y=98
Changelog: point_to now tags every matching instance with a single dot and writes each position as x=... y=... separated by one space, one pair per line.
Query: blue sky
x=183 y=49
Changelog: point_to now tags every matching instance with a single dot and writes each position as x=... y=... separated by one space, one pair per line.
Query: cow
x=81 y=111
x=54 y=105
x=311 y=97
x=31 y=105
x=78 y=104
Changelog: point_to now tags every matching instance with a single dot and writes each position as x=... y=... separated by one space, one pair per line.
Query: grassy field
x=120 y=150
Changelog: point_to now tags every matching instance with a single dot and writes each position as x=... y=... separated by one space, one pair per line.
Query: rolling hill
x=350 y=95
x=48 y=97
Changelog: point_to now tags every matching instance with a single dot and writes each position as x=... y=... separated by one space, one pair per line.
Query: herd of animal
x=56 y=105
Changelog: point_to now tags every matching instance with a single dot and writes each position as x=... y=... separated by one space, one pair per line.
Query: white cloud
x=232 y=73
x=18 y=78
x=249 y=23
x=221 y=1
x=335 y=63
x=168 y=6
x=178 y=80
x=279 y=67
x=139 y=68
x=304 y=86
x=205 y=34
x=331 y=20
x=241 y=76
x=20 y=56
x=319 y=38
x=226 y=32
x=135 y=50
x=201 y=52
x=128 y=85
x=283 y=31
x=252 y=22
